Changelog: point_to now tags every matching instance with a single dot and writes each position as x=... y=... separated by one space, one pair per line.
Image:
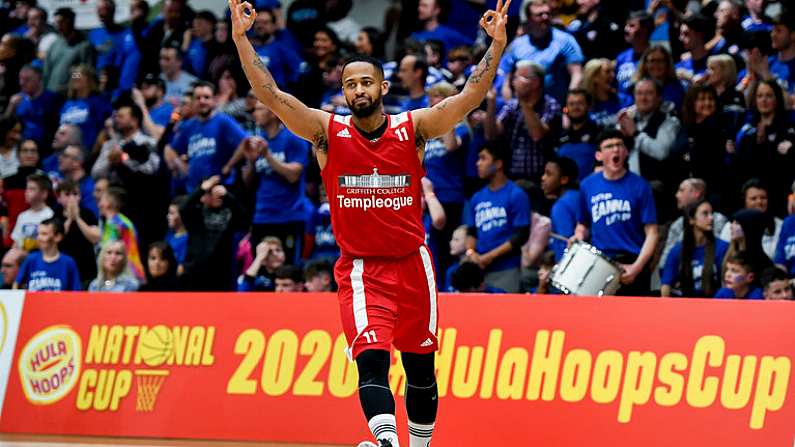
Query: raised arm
x=439 y=119
x=309 y=124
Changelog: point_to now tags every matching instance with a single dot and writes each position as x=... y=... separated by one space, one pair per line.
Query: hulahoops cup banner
x=511 y=370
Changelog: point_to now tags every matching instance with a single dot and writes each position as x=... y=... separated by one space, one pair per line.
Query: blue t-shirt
x=196 y=58
x=748 y=24
x=131 y=58
x=564 y=220
x=626 y=64
x=34 y=114
x=616 y=212
x=36 y=274
x=279 y=201
x=449 y=37
x=562 y=51
x=693 y=67
x=753 y=294
x=496 y=215
x=109 y=46
x=670 y=273
x=178 y=243
x=605 y=113
x=87 y=200
x=785 y=249
x=445 y=169
x=88 y=114
x=161 y=114
x=208 y=144
x=325 y=246
x=582 y=153
x=411 y=104
x=284 y=64
x=783 y=72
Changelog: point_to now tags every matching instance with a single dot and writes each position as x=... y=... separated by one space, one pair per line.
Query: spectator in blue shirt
x=560 y=184
x=412 y=74
x=70 y=167
x=276 y=169
x=657 y=63
x=84 y=107
x=598 y=79
x=554 y=50
x=35 y=107
x=577 y=139
x=444 y=162
x=781 y=66
x=177 y=236
x=693 y=266
x=429 y=12
x=48 y=269
x=617 y=209
x=260 y=276
x=209 y=140
x=756 y=20
x=694 y=32
x=785 y=249
x=154 y=92
x=637 y=32
x=108 y=39
x=200 y=46
x=499 y=223
x=283 y=63
x=739 y=280
x=66 y=135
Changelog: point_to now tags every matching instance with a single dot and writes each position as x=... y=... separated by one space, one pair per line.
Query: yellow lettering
x=88 y=380
x=771 y=388
x=574 y=379
x=130 y=332
x=701 y=392
x=545 y=364
x=606 y=376
x=466 y=373
x=180 y=337
x=250 y=343
x=103 y=389
x=513 y=370
x=121 y=387
x=317 y=345
x=343 y=378
x=638 y=381
x=671 y=394
x=113 y=348
x=397 y=375
x=490 y=365
x=96 y=343
x=279 y=366
x=141 y=337
x=736 y=389
x=208 y=359
x=193 y=355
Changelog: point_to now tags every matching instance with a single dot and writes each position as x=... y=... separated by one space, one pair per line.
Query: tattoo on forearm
x=484 y=68
x=320 y=141
x=269 y=84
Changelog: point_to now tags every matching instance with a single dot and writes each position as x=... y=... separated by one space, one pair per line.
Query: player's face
x=550 y=181
x=756 y=198
x=614 y=154
x=778 y=290
x=703 y=219
x=363 y=88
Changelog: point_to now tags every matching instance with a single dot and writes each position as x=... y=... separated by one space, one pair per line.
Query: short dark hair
x=67 y=185
x=547 y=259
x=468 y=277
x=135 y=111
x=379 y=67
x=207 y=15
x=117 y=195
x=658 y=87
x=787 y=18
x=41 y=180
x=569 y=169
x=608 y=134
x=741 y=258
x=644 y=18
x=496 y=149
x=773 y=274
x=753 y=183
x=65 y=13
x=55 y=223
x=316 y=268
x=581 y=92
x=289 y=272
x=207 y=84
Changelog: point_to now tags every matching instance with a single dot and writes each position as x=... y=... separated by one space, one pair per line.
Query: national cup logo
x=49 y=365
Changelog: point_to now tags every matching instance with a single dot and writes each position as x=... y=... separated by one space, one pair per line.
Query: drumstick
x=558 y=237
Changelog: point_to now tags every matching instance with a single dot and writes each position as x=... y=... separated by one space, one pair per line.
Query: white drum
x=584 y=270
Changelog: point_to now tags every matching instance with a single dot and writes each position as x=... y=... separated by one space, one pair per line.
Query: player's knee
x=419 y=369
x=373 y=366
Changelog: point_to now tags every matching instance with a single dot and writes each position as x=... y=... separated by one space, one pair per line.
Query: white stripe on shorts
x=426 y=263
x=359 y=302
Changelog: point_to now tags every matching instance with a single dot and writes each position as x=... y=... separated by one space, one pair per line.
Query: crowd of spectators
x=134 y=156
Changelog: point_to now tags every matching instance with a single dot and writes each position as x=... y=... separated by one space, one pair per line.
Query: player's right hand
x=243 y=16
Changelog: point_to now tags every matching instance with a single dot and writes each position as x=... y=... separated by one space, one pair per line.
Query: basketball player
x=371 y=166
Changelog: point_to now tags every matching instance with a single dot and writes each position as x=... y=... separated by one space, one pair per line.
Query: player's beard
x=365 y=111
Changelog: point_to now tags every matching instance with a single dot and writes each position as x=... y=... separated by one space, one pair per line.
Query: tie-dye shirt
x=120 y=228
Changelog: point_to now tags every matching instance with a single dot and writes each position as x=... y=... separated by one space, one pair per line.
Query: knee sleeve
x=374 y=393
x=422 y=399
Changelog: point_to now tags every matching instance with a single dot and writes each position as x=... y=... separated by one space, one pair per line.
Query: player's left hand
x=629 y=272
x=494 y=22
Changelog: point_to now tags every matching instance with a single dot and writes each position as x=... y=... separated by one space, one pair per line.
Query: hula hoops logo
x=49 y=365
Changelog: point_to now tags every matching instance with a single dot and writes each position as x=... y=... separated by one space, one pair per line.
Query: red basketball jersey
x=374 y=188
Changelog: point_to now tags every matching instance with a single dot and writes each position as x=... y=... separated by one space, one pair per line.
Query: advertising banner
x=511 y=370
x=11 y=302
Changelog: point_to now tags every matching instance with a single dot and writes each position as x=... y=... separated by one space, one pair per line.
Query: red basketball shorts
x=388 y=301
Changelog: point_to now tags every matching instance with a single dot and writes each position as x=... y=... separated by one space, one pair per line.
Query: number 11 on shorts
x=370 y=336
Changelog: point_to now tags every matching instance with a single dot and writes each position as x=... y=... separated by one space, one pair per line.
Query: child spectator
x=36 y=193
x=776 y=285
x=114 y=271
x=289 y=278
x=161 y=269
x=318 y=277
x=48 y=269
x=458 y=248
x=545 y=274
x=740 y=280
x=177 y=236
x=261 y=274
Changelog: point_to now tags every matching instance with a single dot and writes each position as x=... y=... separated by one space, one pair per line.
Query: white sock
x=384 y=427
x=420 y=434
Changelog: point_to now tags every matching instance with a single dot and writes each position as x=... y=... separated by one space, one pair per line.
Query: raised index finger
x=504 y=9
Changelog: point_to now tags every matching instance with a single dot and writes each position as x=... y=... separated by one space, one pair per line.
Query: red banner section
x=512 y=370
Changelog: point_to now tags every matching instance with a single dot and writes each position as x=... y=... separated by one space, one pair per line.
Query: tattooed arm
x=439 y=119
x=309 y=124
